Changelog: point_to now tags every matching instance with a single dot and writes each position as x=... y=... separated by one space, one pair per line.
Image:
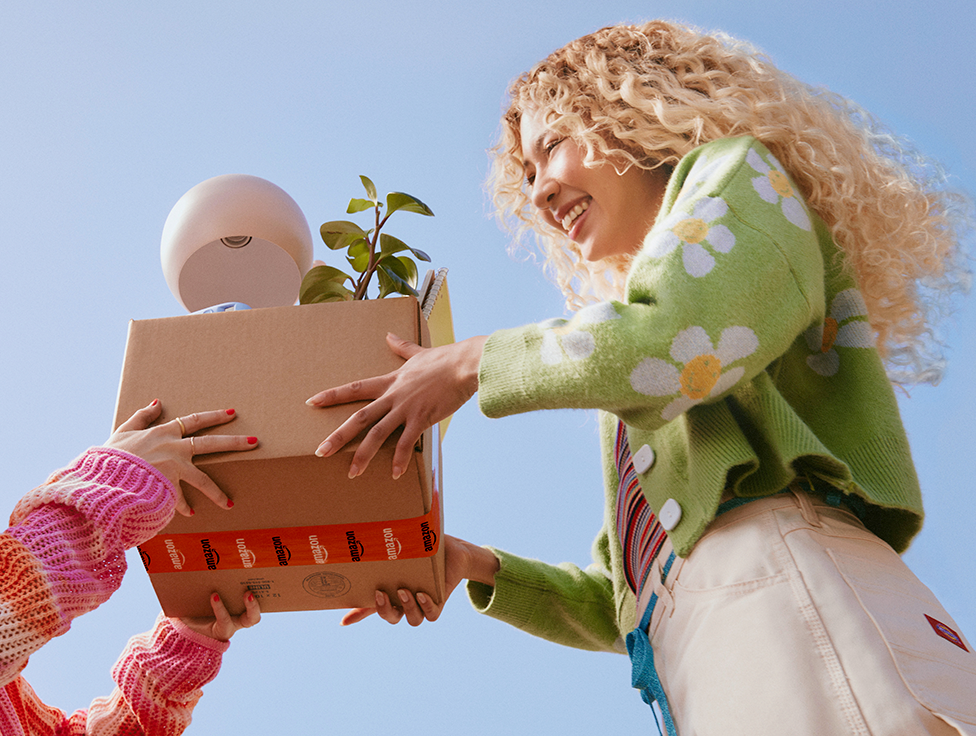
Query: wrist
x=471 y=364
x=482 y=564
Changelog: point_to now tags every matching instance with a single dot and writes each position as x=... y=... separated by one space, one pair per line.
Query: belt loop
x=807 y=511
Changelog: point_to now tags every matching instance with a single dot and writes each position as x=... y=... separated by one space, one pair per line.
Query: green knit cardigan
x=742 y=357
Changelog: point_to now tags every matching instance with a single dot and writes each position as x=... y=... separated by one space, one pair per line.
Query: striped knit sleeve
x=158 y=682
x=64 y=554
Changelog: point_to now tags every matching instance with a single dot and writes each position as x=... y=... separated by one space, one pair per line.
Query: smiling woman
x=605 y=211
x=750 y=486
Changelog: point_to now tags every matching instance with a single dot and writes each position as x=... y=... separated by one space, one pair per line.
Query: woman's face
x=604 y=212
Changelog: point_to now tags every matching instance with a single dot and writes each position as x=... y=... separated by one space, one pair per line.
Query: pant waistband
x=829 y=494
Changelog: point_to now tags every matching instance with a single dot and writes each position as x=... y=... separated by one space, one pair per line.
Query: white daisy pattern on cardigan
x=845 y=326
x=693 y=232
x=704 y=371
x=774 y=186
x=699 y=174
x=561 y=338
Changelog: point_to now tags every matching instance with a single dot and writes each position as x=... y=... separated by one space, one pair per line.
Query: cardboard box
x=301 y=535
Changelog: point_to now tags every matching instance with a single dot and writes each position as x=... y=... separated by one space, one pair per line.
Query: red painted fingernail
x=231 y=412
x=250 y=597
x=154 y=402
x=230 y=504
x=192 y=512
x=216 y=598
x=252 y=440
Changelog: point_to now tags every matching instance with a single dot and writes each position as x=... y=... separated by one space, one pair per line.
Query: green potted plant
x=367 y=252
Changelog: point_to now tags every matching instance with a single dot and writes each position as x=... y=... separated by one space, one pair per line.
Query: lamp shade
x=235 y=238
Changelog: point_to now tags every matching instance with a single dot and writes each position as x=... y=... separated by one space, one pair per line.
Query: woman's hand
x=223 y=626
x=430 y=386
x=170 y=449
x=462 y=560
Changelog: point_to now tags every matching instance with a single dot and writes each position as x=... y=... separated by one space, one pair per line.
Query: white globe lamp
x=235 y=238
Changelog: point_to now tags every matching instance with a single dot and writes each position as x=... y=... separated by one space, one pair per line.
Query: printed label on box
x=293 y=546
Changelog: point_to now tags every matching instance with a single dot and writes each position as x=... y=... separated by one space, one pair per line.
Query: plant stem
x=367 y=275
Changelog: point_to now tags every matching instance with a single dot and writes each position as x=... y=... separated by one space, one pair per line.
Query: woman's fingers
x=188 y=424
x=182 y=507
x=252 y=611
x=431 y=610
x=374 y=440
x=363 y=390
x=386 y=610
x=413 y=612
x=355 y=615
x=202 y=482
x=210 y=443
x=416 y=609
x=142 y=418
x=406 y=349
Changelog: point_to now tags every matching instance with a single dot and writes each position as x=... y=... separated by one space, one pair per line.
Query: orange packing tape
x=369 y=541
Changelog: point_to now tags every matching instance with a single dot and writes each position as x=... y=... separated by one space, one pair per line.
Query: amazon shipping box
x=301 y=535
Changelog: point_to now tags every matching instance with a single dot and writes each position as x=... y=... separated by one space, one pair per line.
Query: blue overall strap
x=643 y=674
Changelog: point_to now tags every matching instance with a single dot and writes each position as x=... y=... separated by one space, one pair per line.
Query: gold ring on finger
x=193 y=450
x=182 y=427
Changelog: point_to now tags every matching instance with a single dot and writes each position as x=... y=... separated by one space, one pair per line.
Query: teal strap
x=643 y=675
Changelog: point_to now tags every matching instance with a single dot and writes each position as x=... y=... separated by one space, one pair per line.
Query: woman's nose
x=544 y=190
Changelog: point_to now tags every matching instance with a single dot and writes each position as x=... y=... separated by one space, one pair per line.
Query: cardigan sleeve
x=562 y=603
x=729 y=276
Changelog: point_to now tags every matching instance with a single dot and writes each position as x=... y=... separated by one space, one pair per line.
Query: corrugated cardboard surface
x=265 y=363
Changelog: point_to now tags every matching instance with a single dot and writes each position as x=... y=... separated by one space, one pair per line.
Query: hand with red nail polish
x=171 y=446
x=222 y=626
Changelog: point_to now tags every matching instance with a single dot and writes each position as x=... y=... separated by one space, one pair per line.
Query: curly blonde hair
x=649 y=94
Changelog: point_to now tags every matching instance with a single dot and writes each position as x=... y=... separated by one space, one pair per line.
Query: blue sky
x=110 y=113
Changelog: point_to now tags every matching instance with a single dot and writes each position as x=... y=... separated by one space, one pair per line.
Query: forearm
x=480 y=565
x=158 y=682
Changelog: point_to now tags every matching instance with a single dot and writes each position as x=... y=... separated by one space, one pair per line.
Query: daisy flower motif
x=774 y=187
x=700 y=172
x=704 y=371
x=846 y=326
x=693 y=232
x=561 y=338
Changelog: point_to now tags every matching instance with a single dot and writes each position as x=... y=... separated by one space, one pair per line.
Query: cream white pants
x=789 y=617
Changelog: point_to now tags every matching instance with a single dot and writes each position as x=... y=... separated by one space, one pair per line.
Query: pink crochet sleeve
x=64 y=554
x=158 y=680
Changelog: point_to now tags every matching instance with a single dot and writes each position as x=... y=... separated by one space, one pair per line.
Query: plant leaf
x=340 y=233
x=326 y=285
x=359 y=205
x=387 y=284
x=325 y=273
x=370 y=188
x=389 y=244
x=419 y=254
x=402 y=201
x=402 y=271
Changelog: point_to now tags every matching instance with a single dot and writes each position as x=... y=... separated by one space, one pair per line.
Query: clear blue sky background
x=109 y=112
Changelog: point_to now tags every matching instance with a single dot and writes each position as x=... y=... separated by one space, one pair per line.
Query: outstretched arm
x=431 y=385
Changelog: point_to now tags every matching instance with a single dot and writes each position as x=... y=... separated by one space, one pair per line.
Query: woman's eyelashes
x=547 y=149
x=552 y=144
